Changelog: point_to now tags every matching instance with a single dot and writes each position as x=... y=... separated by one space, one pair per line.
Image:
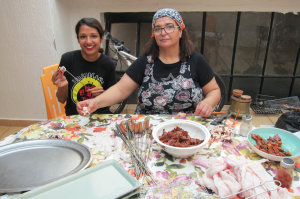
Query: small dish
x=289 y=140
x=297 y=134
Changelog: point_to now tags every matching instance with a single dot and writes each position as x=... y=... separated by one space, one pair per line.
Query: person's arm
x=212 y=96
x=113 y=95
x=210 y=88
x=96 y=90
x=61 y=82
x=62 y=94
x=109 y=79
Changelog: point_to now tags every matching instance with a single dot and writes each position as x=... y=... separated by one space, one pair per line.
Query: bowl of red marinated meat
x=274 y=143
x=181 y=138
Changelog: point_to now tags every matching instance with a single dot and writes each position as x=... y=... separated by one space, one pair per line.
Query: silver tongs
x=65 y=70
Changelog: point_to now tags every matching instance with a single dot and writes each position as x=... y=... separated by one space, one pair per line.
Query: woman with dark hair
x=95 y=70
x=171 y=76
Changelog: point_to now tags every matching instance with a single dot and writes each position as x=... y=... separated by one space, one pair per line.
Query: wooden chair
x=54 y=108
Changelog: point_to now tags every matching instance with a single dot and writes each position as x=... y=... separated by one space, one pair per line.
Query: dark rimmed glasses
x=169 y=28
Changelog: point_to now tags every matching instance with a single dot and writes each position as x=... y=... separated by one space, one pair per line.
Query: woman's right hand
x=90 y=104
x=59 y=79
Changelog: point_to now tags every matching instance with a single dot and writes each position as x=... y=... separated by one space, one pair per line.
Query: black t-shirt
x=98 y=73
x=201 y=71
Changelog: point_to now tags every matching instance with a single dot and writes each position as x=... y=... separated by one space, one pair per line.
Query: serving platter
x=290 y=142
x=30 y=164
x=106 y=180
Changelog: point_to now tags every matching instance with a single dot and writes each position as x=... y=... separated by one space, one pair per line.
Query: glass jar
x=285 y=172
x=246 y=125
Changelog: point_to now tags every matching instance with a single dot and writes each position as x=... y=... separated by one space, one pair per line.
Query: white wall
x=26 y=46
x=28 y=30
x=62 y=27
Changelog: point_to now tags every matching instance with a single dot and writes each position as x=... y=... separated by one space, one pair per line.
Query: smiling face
x=89 y=41
x=167 y=40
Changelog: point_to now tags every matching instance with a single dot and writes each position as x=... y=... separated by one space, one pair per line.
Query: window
x=256 y=52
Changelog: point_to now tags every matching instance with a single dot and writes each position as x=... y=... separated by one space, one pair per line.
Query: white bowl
x=194 y=129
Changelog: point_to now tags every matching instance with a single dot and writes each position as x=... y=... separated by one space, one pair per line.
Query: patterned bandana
x=168 y=12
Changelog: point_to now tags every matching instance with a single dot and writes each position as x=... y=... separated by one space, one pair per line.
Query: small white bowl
x=194 y=129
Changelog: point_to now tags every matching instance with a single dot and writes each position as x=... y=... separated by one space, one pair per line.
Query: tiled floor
x=7 y=130
x=13 y=127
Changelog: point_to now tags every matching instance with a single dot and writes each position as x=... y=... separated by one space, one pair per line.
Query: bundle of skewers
x=137 y=137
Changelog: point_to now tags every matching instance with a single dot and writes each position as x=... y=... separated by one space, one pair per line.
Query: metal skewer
x=134 y=152
x=229 y=115
x=136 y=168
x=73 y=77
x=236 y=116
x=262 y=185
x=211 y=142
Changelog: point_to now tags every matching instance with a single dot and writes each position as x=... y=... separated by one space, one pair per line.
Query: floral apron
x=170 y=95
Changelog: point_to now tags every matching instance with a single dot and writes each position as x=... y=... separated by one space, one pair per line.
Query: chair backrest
x=222 y=86
x=53 y=107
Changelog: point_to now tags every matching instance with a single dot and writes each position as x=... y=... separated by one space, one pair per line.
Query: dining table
x=164 y=167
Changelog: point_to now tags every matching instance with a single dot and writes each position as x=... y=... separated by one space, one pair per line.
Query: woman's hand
x=212 y=96
x=96 y=90
x=59 y=79
x=61 y=82
x=90 y=104
x=203 y=109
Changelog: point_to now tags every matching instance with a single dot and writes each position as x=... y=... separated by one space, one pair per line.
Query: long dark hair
x=186 y=47
x=93 y=23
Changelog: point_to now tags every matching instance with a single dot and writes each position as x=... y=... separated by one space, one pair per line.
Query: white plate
x=107 y=180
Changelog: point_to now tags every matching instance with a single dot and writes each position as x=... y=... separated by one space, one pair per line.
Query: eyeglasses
x=168 y=29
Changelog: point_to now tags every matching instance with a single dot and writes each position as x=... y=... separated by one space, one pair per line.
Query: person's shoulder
x=140 y=60
x=105 y=59
x=143 y=56
x=197 y=55
x=198 y=58
x=70 y=58
x=71 y=54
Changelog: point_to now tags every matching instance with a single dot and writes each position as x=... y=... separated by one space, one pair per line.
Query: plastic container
x=285 y=172
x=246 y=125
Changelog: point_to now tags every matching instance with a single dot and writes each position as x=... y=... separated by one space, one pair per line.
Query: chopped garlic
x=180 y=114
x=85 y=111
x=62 y=68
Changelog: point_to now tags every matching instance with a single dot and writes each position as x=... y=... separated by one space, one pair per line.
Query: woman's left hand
x=96 y=90
x=203 y=109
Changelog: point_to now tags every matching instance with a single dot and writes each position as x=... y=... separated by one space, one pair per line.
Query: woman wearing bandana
x=171 y=76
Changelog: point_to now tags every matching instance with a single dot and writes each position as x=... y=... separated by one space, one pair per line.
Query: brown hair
x=93 y=23
x=186 y=47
